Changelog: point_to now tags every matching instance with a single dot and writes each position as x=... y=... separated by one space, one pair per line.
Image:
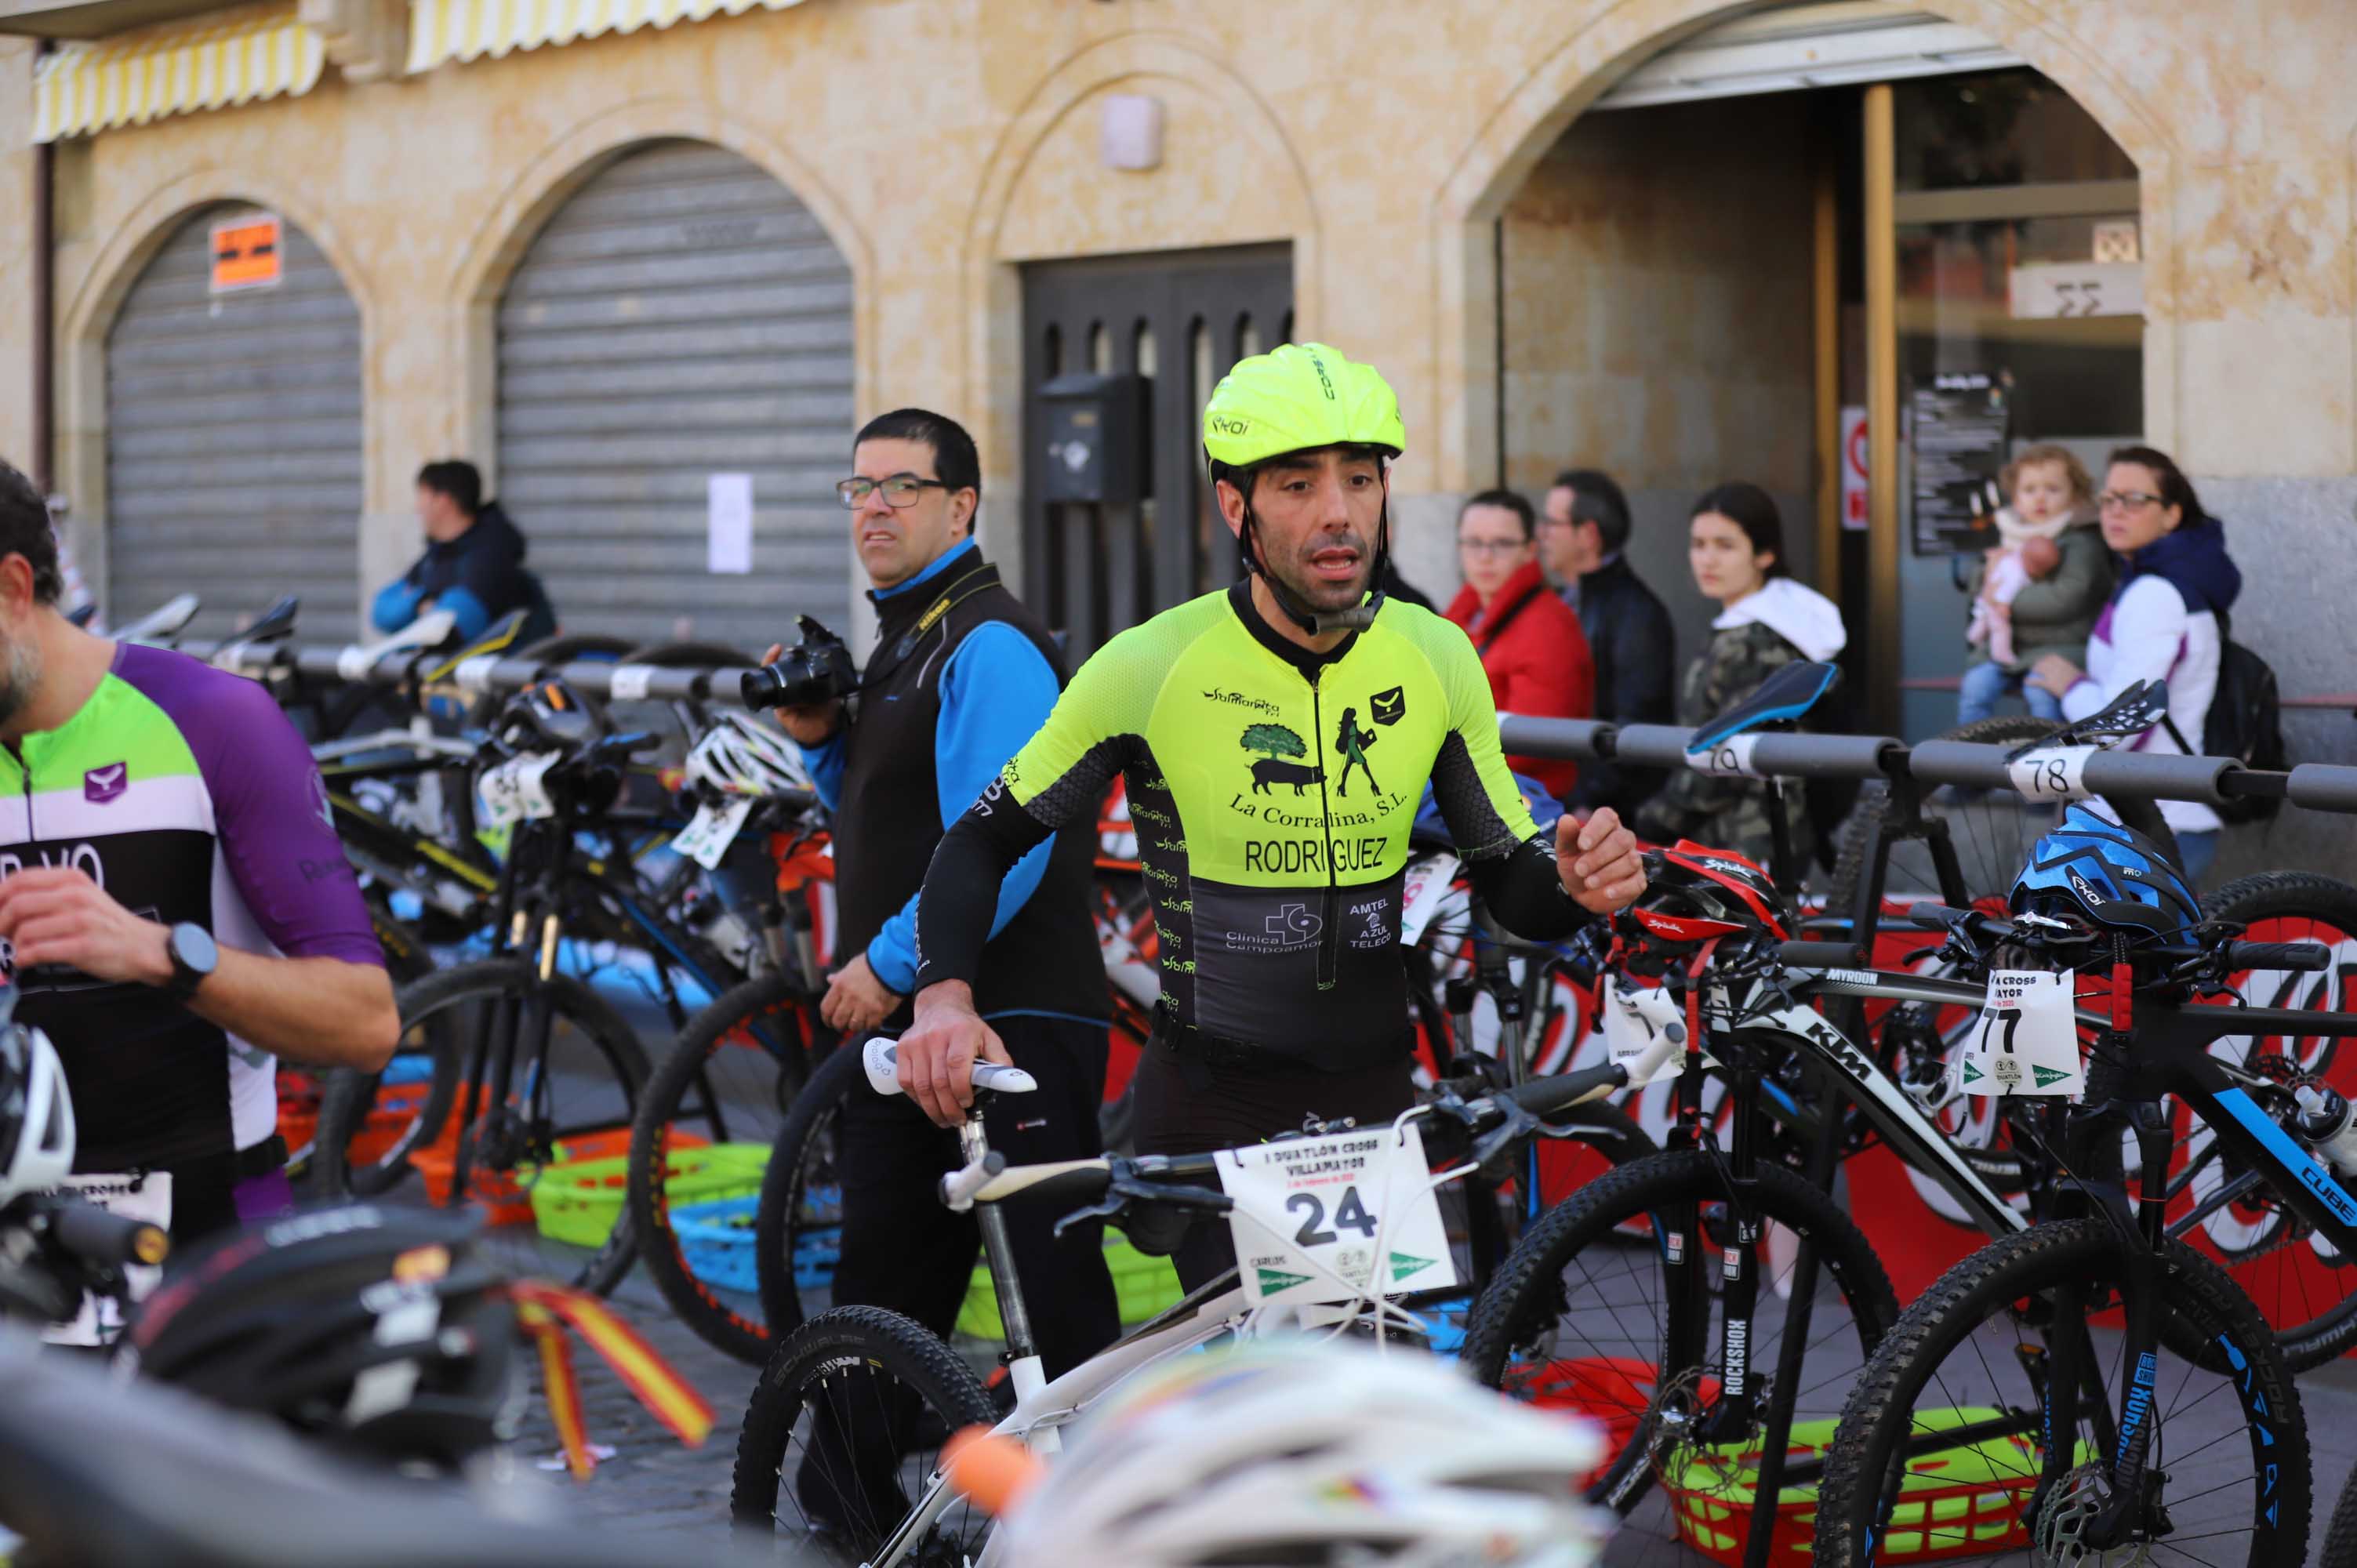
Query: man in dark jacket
x=1629 y=632
x=473 y=564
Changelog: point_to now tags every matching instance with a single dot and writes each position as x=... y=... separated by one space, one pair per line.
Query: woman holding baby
x=2037 y=591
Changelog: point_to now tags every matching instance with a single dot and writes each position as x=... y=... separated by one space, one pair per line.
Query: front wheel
x=843 y=1434
x=1633 y=1332
x=544 y=1163
x=1943 y=1449
x=728 y=1080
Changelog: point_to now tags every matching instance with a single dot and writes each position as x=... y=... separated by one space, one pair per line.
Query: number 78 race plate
x=1361 y=1204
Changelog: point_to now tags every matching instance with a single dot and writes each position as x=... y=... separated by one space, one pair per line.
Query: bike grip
x=1818 y=955
x=96 y=1236
x=881 y=1057
x=958 y=1187
x=1936 y=917
x=2278 y=955
x=1544 y=1095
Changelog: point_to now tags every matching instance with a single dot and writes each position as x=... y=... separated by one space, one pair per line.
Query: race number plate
x=2026 y=1040
x=1635 y=1018
x=1730 y=759
x=1426 y=884
x=1360 y=1205
x=714 y=828
x=516 y=792
x=2052 y=773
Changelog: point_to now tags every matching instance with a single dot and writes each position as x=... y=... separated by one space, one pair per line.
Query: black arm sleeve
x=1524 y=891
x=961 y=891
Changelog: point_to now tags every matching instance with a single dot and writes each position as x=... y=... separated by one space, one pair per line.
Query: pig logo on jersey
x=101 y=785
x=1275 y=743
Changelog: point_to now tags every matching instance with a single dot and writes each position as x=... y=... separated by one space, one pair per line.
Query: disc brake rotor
x=2063 y=1524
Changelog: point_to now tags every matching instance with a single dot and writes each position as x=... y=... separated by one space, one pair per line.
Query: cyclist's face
x=1726 y=567
x=20 y=647
x=1315 y=517
x=895 y=543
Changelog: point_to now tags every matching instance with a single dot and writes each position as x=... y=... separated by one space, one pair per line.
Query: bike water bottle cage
x=2112 y=875
x=1785 y=697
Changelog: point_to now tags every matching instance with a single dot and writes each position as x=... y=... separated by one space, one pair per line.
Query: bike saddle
x=163 y=622
x=2131 y=713
x=882 y=1059
x=275 y=623
x=1783 y=698
x=497 y=638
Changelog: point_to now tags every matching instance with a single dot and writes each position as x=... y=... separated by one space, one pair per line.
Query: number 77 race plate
x=1360 y=1204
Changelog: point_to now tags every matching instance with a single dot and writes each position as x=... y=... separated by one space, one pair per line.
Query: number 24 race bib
x=1358 y=1204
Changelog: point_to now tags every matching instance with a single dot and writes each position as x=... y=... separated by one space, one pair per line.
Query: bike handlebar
x=2278 y=955
x=95 y=1236
x=881 y=1057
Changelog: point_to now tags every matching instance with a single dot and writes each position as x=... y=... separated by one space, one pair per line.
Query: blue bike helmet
x=2112 y=875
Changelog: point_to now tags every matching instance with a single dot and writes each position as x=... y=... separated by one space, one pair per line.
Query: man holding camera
x=962 y=676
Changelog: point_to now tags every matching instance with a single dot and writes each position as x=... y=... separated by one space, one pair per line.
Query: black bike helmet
x=547 y=715
x=378 y=1328
x=1693 y=893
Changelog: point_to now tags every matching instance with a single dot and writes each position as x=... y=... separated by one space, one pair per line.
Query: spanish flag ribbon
x=547 y=1311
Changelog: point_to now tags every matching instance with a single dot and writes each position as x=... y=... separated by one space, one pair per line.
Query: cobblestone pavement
x=680 y=1495
x=653 y=1483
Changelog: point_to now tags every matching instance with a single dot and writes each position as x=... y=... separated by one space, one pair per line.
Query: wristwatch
x=194 y=954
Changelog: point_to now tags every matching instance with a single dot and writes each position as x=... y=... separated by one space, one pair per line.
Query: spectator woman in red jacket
x=1529 y=640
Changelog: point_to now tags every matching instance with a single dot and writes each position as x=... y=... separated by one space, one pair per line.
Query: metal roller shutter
x=234 y=440
x=682 y=315
x=1788 y=48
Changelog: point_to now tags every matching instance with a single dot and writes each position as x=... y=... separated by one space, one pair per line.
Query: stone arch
x=991 y=371
x=1593 y=54
x=89 y=314
x=570 y=160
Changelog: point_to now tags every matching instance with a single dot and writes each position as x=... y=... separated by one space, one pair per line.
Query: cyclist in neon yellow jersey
x=1237 y=719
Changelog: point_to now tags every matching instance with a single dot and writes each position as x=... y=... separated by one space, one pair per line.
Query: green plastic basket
x=579 y=1202
x=1143 y=1286
x=1955 y=1502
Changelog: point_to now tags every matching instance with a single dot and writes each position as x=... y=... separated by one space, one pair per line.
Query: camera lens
x=760 y=688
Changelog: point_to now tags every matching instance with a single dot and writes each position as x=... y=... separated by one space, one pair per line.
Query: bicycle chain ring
x=2060 y=1535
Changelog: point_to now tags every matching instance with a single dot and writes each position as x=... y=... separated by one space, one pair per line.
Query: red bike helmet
x=1693 y=893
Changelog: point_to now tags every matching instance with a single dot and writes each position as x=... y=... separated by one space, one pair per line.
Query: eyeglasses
x=2125 y=500
x=1490 y=546
x=899 y=490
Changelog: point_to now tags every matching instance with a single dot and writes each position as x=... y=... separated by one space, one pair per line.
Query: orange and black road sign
x=246 y=254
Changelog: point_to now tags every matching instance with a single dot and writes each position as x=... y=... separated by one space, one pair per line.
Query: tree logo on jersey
x=1389 y=707
x=1275 y=743
x=101 y=785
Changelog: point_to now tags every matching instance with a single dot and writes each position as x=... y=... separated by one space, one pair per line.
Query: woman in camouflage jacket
x=1735 y=544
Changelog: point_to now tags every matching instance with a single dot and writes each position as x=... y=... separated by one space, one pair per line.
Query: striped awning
x=467 y=29
x=233 y=56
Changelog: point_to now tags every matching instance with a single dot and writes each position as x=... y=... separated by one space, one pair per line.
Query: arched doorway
x=675 y=347
x=233 y=429
x=1687 y=297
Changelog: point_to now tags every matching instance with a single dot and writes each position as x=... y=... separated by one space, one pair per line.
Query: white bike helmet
x=1310 y=1453
x=738 y=757
x=37 y=1123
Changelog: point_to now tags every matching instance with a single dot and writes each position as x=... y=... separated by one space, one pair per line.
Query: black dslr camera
x=818 y=669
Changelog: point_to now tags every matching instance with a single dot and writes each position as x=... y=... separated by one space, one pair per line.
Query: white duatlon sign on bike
x=1335 y=1217
x=2026 y=1040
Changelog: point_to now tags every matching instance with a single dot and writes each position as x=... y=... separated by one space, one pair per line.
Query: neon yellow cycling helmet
x=1297 y=398
x=1303 y=397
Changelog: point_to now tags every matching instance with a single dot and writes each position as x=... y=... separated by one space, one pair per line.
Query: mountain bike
x=840 y=1449
x=2107 y=1391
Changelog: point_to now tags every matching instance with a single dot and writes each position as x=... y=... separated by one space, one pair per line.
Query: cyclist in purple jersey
x=176 y=909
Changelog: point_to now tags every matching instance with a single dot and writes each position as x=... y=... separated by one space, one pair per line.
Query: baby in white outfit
x=2027 y=551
